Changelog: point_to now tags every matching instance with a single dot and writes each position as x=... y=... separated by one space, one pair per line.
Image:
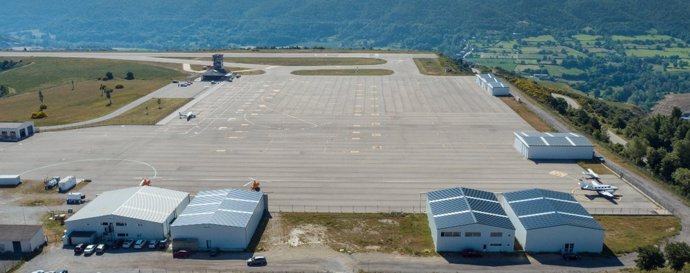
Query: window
x=121 y=224
x=473 y=234
x=450 y=234
x=496 y=244
x=141 y=225
x=122 y=235
x=104 y=223
x=496 y=234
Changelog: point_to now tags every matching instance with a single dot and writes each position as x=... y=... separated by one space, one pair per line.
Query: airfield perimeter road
x=317 y=143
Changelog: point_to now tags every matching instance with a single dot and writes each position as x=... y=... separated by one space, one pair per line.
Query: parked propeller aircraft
x=602 y=189
x=190 y=115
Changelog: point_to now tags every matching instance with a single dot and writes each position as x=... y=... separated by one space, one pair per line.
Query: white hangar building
x=551 y=221
x=492 y=85
x=20 y=239
x=553 y=146
x=224 y=219
x=462 y=218
x=142 y=212
x=16 y=131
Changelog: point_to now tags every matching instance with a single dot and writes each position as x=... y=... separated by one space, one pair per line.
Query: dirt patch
x=309 y=234
x=665 y=106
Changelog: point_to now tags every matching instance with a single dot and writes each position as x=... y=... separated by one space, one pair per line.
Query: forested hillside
x=437 y=24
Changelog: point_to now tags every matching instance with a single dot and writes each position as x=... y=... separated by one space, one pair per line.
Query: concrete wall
x=482 y=243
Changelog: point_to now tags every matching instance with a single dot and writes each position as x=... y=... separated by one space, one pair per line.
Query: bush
x=43 y=107
x=38 y=115
x=129 y=76
x=119 y=86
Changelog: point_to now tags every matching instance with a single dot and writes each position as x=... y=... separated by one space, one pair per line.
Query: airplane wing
x=606 y=193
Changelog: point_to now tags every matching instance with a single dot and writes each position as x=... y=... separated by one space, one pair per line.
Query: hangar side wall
x=178 y=210
x=520 y=232
x=432 y=225
x=118 y=227
x=483 y=242
x=560 y=152
x=213 y=236
x=36 y=241
x=255 y=220
x=500 y=91
x=553 y=239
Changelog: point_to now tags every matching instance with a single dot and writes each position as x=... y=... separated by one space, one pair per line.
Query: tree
x=108 y=95
x=649 y=257
x=109 y=75
x=130 y=76
x=681 y=177
x=677 y=254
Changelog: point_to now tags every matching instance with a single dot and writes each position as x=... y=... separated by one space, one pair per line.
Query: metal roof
x=14 y=125
x=552 y=139
x=145 y=203
x=462 y=206
x=491 y=80
x=539 y=208
x=18 y=232
x=226 y=207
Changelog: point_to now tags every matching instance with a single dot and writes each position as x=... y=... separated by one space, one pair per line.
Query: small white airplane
x=602 y=189
x=190 y=115
x=591 y=174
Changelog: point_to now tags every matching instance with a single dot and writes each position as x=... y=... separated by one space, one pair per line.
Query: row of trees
x=8 y=64
x=109 y=76
x=676 y=254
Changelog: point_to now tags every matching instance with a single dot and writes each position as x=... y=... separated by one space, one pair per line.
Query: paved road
x=651 y=189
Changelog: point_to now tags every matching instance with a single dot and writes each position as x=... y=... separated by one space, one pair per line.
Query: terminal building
x=551 y=221
x=492 y=85
x=217 y=72
x=16 y=131
x=553 y=146
x=462 y=219
x=142 y=212
x=219 y=219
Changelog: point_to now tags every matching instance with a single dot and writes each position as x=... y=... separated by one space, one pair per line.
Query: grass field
x=642 y=38
x=624 y=234
x=558 y=71
x=54 y=77
x=505 y=64
x=653 y=52
x=298 y=61
x=48 y=73
x=147 y=113
x=436 y=67
x=586 y=37
x=343 y=72
x=542 y=38
x=406 y=234
x=535 y=121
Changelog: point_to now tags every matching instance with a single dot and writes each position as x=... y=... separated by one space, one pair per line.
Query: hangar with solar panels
x=551 y=221
x=463 y=218
x=553 y=146
x=219 y=219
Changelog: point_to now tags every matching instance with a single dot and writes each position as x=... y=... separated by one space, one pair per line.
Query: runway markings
x=558 y=173
x=376 y=134
x=355 y=138
x=222 y=128
x=155 y=172
x=220 y=151
x=355 y=132
x=377 y=147
x=354 y=152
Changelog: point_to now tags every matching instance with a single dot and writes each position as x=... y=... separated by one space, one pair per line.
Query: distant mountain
x=433 y=25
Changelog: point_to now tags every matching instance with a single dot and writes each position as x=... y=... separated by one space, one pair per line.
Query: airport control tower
x=218 y=62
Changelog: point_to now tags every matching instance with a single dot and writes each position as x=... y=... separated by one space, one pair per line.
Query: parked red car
x=181 y=254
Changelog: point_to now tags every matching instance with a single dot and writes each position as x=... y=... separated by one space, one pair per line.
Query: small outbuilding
x=142 y=212
x=492 y=85
x=462 y=218
x=16 y=131
x=10 y=180
x=551 y=221
x=220 y=219
x=553 y=146
x=20 y=239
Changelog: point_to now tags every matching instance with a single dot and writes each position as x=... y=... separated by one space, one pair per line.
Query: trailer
x=10 y=180
x=50 y=183
x=76 y=198
x=67 y=183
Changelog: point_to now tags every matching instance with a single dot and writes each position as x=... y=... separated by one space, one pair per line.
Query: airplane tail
x=583 y=185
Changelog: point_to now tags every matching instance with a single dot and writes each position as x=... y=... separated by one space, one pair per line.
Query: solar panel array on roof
x=462 y=206
x=227 y=207
x=552 y=139
x=539 y=208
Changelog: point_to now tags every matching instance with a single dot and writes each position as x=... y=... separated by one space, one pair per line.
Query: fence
x=348 y=209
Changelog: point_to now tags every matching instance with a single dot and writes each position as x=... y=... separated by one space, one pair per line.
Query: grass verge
x=596 y=166
x=298 y=61
x=399 y=233
x=53 y=229
x=624 y=234
x=343 y=72
x=438 y=67
x=535 y=121
x=39 y=201
x=148 y=113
